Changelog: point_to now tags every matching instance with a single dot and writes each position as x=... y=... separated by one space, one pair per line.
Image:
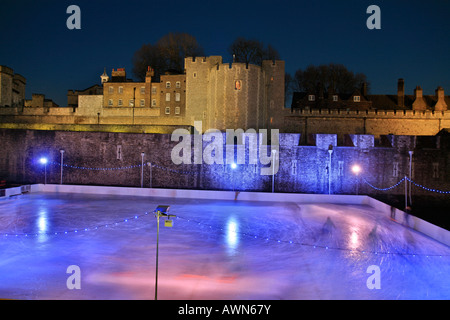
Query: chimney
x=440 y=104
x=364 y=89
x=401 y=93
x=419 y=103
x=149 y=74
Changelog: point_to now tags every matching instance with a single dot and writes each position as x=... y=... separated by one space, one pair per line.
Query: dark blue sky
x=413 y=42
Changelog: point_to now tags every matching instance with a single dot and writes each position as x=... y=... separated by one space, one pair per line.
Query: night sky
x=413 y=42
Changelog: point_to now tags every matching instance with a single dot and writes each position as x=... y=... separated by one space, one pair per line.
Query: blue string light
x=428 y=189
x=253 y=236
x=125 y=168
x=384 y=189
x=72 y=230
x=404 y=180
x=315 y=246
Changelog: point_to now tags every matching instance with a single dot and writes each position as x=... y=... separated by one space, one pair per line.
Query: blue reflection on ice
x=232 y=239
x=42 y=224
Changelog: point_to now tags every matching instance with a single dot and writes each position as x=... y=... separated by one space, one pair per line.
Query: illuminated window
x=168 y=84
x=153 y=102
x=131 y=103
x=177 y=96
x=168 y=96
x=110 y=102
x=167 y=111
x=178 y=85
x=111 y=90
x=142 y=90
x=120 y=102
x=177 y=110
x=153 y=90
x=335 y=97
x=142 y=102
x=238 y=85
x=311 y=97
x=120 y=89
x=356 y=99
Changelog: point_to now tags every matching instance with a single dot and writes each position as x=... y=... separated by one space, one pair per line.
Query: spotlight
x=233 y=165
x=356 y=169
x=43 y=160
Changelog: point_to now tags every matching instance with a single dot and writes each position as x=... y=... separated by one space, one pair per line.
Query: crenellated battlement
x=398 y=114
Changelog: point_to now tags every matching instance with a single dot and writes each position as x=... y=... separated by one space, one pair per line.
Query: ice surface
x=215 y=250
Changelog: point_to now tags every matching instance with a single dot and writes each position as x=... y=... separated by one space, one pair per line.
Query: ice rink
x=216 y=249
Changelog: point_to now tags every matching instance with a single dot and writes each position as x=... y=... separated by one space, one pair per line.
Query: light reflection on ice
x=232 y=239
x=42 y=224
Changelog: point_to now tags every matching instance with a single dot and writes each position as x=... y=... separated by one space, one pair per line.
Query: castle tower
x=6 y=86
x=104 y=77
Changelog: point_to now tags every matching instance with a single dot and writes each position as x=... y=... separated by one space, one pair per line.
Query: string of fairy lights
x=186 y=172
x=219 y=229
x=153 y=165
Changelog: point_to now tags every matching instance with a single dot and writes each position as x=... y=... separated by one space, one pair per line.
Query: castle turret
x=104 y=77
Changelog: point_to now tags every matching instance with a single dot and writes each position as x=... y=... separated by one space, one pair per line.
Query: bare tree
x=335 y=77
x=166 y=55
x=252 y=51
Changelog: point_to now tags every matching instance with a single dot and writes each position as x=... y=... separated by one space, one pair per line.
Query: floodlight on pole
x=274 y=154
x=356 y=169
x=160 y=211
x=44 y=162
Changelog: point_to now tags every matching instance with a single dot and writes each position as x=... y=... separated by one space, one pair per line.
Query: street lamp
x=160 y=211
x=356 y=169
x=44 y=162
x=410 y=175
x=330 y=151
x=233 y=167
x=274 y=152
x=62 y=163
x=142 y=169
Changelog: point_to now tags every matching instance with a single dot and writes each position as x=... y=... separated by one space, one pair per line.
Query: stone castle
x=222 y=96
x=218 y=94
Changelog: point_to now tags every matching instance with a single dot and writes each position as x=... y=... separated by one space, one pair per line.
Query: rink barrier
x=392 y=213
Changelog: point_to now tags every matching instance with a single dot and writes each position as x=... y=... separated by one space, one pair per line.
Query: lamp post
x=274 y=152
x=410 y=176
x=62 y=163
x=142 y=169
x=44 y=162
x=150 y=168
x=160 y=211
x=356 y=169
x=330 y=151
x=233 y=167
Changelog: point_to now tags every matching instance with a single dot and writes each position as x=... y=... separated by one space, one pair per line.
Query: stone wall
x=303 y=168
